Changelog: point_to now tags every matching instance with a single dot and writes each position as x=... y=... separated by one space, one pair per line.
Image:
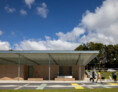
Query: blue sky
x=42 y=18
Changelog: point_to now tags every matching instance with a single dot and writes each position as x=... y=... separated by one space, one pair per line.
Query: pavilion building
x=38 y=65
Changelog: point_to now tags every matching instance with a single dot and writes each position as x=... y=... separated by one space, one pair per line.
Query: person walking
x=93 y=75
x=115 y=77
x=99 y=77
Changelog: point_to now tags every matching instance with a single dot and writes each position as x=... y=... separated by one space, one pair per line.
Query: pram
x=89 y=75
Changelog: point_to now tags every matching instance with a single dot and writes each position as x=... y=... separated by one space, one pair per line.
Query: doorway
x=30 y=71
x=65 y=70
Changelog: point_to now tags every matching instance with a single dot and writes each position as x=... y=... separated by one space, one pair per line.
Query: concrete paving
x=41 y=86
x=86 y=80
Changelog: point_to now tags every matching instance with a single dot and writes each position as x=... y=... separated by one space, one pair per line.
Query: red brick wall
x=42 y=71
x=54 y=71
x=25 y=72
x=75 y=70
x=66 y=70
x=83 y=72
x=10 y=72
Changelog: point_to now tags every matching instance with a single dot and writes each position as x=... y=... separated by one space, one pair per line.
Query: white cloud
x=10 y=10
x=99 y=38
x=29 y=2
x=4 y=45
x=47 y=37
x=71 y=36
x=23 y=12
x=103 y=23
x=1 y=32
x=46 y=45
x=99 y=26
x=42 y=10
x=64 y=42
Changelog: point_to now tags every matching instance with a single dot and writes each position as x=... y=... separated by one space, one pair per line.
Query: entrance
x=30 y=71
x=65 y=71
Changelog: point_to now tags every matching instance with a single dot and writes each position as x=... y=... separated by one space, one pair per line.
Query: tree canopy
x=108 y=54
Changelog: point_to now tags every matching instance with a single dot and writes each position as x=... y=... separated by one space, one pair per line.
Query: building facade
x=44 y=65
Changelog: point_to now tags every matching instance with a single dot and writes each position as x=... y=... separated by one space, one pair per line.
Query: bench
x=64 y=79
x=35 y=79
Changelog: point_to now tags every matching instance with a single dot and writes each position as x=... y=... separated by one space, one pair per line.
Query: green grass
x=107 y=74
x=66 y=90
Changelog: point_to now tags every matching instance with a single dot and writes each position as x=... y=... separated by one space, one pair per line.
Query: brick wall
x=75 y=72
x=83 y=72
x=25 y=74
x=42 y=71
x=10 y=72
x=54 y=71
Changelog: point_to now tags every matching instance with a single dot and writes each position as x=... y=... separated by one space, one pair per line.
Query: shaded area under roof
x=42 y=57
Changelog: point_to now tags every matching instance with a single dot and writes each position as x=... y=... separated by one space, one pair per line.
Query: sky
x=57 y=24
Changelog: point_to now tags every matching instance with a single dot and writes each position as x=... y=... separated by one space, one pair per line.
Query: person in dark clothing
x=93 y=75
x=115 y=77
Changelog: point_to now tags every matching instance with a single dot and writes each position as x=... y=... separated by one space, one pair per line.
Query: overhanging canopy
x=42 y=57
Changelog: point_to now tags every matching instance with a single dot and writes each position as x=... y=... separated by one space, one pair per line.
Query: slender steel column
x=18 y=67
x=79 y=67
x=49 y=67
x=79 y=72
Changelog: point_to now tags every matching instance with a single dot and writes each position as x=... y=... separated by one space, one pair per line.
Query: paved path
x=41 y=86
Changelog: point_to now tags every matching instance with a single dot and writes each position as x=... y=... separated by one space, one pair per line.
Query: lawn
x=66 y=90
x=107 y=74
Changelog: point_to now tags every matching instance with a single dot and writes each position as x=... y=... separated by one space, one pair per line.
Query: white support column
x=19 y=67
x=49 y=67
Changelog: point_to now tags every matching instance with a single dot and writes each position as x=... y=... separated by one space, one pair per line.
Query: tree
x=108 y=54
